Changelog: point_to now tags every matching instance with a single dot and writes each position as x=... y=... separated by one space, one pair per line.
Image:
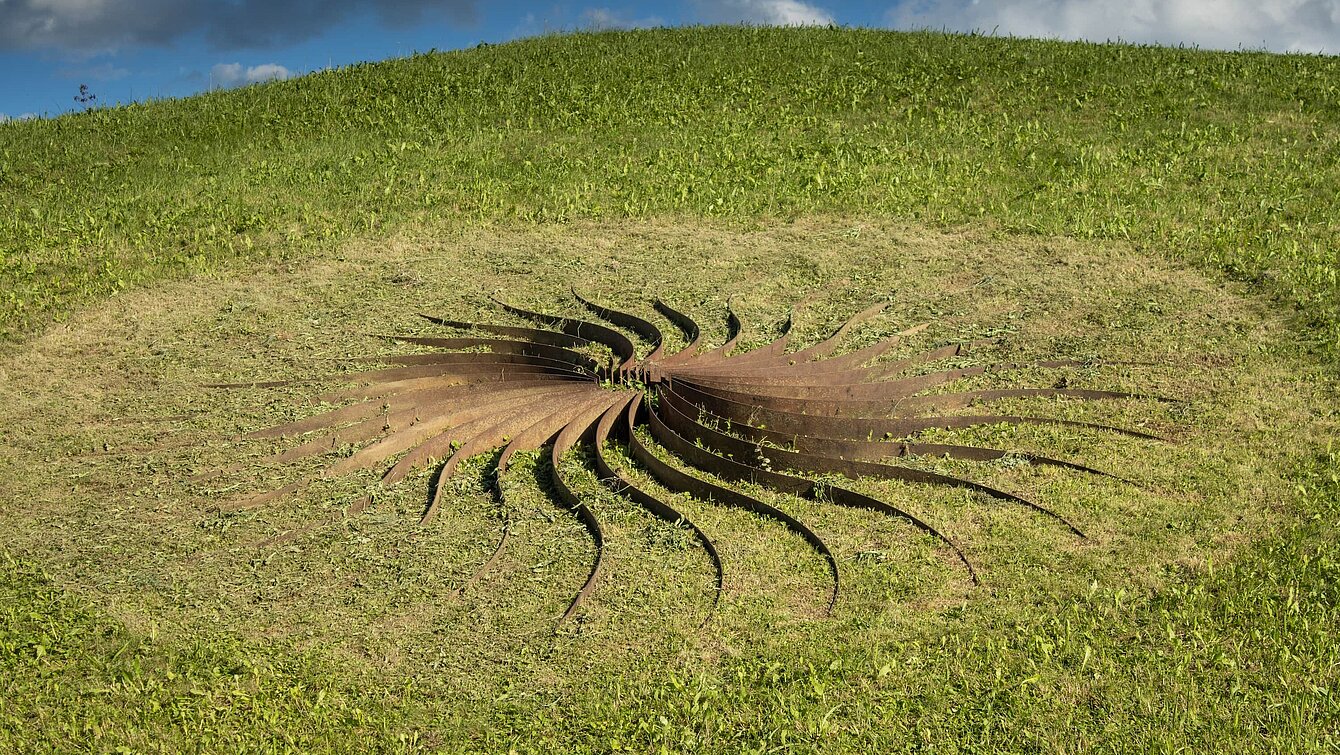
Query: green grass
x=1224 y=161
x=1228 y=159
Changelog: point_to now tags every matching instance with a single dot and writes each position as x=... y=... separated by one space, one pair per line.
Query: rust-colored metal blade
x=534 y=335
x=431 y=392
x=436 y=442
x=505 y=530
x=519 y=405
x=835 y=398
x=769 y=361
x=855 y=500
x=643 y=328
x=505 y=426
x=615 y=341
x=826 y=347
x=406 y=435
x=734 y=330
x=852 y=362
x=693 y=335
x=683 y=482
x=579 y=361
x=558 y=423
x=871 y=399
x=763 y=354
x=468 y=364
x=965 y=399
x=367 y=457
x=438 y=382
x=566 y=439
x=718 y=359
x=823 y=371
x=619 y=483
x=327 y=420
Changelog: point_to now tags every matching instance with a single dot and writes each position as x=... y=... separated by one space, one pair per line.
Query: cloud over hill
x=1280 y=25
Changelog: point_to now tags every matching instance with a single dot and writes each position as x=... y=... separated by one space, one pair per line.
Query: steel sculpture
x=767 y=416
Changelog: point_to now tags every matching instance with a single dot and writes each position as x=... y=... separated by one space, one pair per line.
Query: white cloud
x=21 y=117
x=226 y=74
x=1279 y=25
x=765 y=12
x=604 y=18
x=234 y=74
x=267 y=72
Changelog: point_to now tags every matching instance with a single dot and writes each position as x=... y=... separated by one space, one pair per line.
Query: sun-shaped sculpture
x=767 y=416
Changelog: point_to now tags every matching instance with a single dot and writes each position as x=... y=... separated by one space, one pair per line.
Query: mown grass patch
x=1191 y=619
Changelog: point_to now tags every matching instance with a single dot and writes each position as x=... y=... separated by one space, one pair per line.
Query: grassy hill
x=1227 y=159
x=1226 y=162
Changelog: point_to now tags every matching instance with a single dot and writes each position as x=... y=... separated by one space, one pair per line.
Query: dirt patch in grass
x=105 y=421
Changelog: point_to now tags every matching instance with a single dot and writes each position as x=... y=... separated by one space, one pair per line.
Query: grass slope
x=1224 y=160
x=1228 y=159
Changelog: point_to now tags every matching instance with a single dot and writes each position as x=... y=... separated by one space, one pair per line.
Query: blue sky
x=128 y=50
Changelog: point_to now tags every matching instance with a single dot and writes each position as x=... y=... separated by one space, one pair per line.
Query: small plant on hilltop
x=86 y=98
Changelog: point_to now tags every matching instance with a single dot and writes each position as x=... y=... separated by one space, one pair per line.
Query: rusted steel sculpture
x=767 y=416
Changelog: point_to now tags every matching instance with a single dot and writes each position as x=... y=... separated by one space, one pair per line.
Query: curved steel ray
x=616 y=481
x=693 y=335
